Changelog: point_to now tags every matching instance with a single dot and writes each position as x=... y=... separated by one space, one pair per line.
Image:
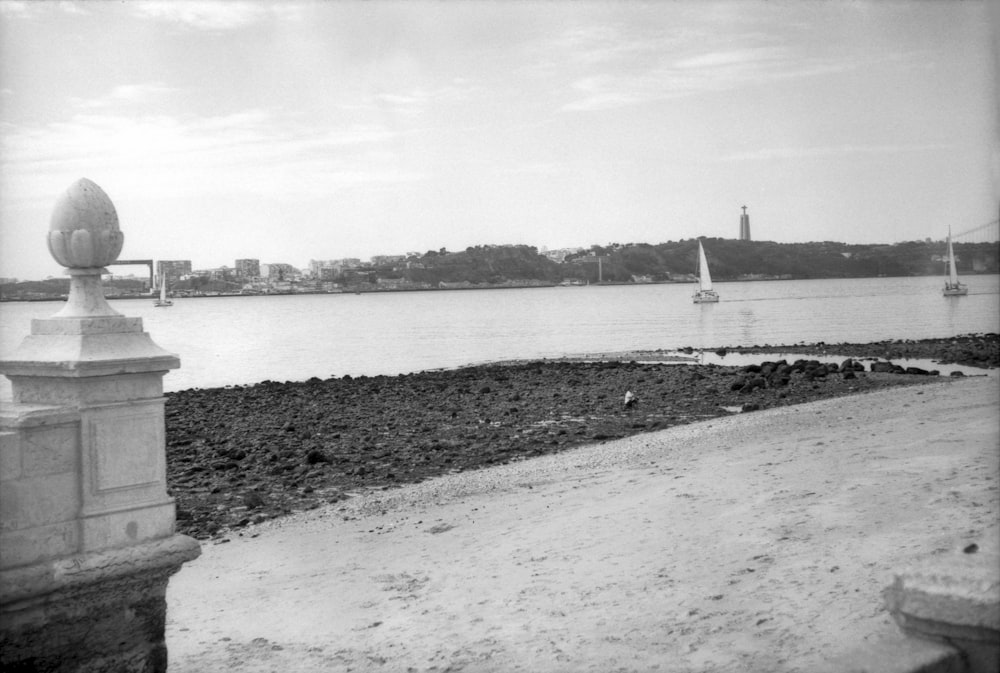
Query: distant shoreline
x=449 y=289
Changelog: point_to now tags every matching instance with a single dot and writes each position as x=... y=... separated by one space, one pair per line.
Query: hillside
x=499 y=265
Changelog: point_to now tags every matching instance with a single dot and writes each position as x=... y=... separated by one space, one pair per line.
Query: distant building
x=386 y=260
x=248 y=268
x=321 y=269
x=173 y=269
x=221 y=273
x=561 y=254
x=278 y=272
x=744 y=225
x=328 y=269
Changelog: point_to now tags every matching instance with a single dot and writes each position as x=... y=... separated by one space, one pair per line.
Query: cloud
x=252 y=152
x=710 y=71
x=599 y=44
x=412 y=103
x=541 y=169
x=772 y=153
x=70 y=7
x=36 y=8
x=213 y=16
x=125 y=94
x=13 y=8
x=717 y=59
x=714 y=47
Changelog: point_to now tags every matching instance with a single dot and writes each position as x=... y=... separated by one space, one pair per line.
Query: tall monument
x=744 y=225
x=87 y=539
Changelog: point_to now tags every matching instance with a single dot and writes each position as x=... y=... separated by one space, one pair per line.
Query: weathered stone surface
x=96 y=612
x=954 y=598
x=895 y=653
x=116 y=625
x=83 y=229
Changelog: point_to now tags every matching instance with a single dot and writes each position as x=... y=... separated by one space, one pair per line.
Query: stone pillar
x=87 y=541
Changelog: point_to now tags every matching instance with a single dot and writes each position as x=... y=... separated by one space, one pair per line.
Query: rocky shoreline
x=973 y=350
x=245 y=454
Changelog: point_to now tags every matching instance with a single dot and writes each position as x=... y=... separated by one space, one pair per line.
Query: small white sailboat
x=952 y=286
x=163 y=301
x=705 y=293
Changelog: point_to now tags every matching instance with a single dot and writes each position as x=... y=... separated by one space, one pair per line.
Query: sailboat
x=952 y=286
x=705 y=293
x=163 y=301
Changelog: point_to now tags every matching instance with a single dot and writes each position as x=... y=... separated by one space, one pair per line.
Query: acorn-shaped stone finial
x=83 y=231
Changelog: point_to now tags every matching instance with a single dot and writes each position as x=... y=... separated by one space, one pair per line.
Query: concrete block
x=116 y=625
x=81 y=392
x=124 y=464
x=50 y=450
x=127 y=527
x=10 y=456
x=83 y=355
x=953 y=598
x=23 y=547
x=895 y=653
x=39 y=501
x=124 y=447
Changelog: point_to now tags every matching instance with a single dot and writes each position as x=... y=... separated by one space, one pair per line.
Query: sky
x=291 y=131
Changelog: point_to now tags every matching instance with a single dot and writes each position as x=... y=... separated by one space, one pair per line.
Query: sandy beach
x=755 y=542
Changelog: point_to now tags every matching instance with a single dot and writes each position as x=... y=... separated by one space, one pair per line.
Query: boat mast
x=952 y=270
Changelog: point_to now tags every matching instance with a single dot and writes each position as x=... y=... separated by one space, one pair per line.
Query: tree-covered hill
x=732 y=260
x=493 y=264
x=499 y=265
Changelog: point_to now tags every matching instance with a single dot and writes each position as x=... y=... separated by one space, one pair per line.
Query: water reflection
x=748 y=324
x=706 y=324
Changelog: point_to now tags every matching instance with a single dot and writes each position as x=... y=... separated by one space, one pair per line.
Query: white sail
x=952 y=286
x=163 y=301
x=952 y=271
x=704 y=277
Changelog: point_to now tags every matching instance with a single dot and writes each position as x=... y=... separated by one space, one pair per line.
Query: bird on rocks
x=630 y=399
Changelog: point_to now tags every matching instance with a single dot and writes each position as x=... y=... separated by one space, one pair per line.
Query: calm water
x=240 y=340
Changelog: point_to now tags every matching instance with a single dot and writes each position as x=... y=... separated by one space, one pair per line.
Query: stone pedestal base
x=954 y=600
x=91 y=613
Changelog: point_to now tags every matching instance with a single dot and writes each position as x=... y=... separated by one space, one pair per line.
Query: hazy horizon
x=289 y=131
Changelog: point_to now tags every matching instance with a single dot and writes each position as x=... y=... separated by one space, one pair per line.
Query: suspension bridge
x=984 y=233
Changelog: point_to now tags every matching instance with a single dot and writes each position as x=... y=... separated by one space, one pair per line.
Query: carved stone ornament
x=83 y=231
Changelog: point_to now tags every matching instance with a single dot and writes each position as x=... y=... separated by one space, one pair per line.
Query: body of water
x=239 y=340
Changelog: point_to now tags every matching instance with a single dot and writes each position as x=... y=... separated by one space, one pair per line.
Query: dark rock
x=267 y=446
x=316 y=456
